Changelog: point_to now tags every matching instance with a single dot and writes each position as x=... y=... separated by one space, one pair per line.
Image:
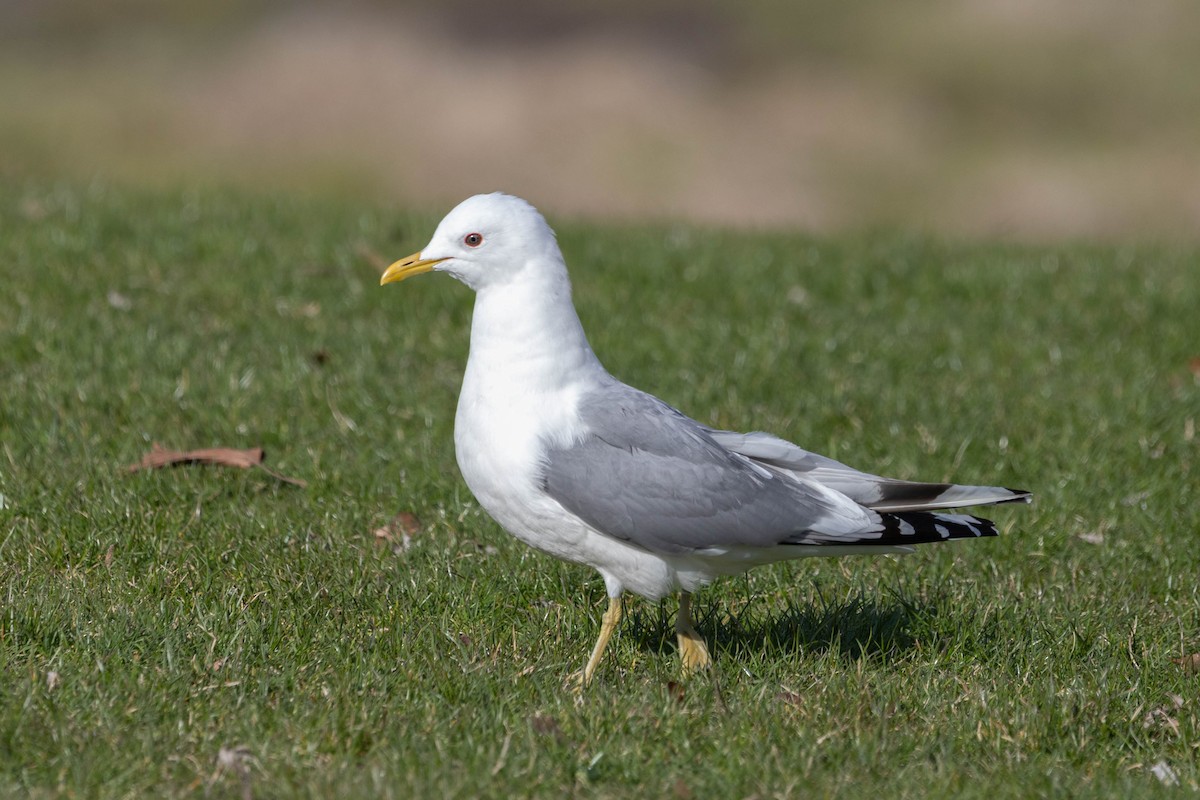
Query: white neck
x=526 y=336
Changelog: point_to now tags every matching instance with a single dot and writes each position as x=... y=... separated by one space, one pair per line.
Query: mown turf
x=150 y=621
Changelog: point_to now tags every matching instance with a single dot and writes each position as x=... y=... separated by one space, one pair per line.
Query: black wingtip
x=919 y=527
x=1020 y=496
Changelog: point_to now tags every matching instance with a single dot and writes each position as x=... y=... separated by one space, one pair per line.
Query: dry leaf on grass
x=545 y=725
x=399 y=532
x=1190 y=663
x=160 y=456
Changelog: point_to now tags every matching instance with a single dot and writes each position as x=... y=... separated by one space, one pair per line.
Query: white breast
x=520 y=394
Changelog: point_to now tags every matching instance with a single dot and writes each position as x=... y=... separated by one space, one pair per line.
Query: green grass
x=194 y=609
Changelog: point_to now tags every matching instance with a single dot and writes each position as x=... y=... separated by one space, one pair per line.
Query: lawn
x=210 y=632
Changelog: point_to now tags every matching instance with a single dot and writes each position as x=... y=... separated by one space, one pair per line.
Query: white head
x=485 y=240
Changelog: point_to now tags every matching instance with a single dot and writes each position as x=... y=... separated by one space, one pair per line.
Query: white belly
x=499 y=446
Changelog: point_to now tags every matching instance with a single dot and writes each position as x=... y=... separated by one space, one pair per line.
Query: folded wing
x=873 y=491
x=643 y=472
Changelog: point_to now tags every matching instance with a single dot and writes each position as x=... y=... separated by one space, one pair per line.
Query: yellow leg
x=692 y=651
x=608 y=624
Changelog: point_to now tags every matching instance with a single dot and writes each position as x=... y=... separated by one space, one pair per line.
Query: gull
x=577 y=464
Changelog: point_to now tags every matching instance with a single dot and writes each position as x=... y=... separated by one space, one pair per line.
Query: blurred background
x=1021 y=119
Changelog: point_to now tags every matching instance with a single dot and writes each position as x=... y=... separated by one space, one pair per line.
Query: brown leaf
x=1194 y=366
x=790 y=698
x=406 y=522
x=681 y=789
x=108 y=557
x=160 y=456
x=399 y=531
x=676 y=690
x=1190 y=664
x=545 y=725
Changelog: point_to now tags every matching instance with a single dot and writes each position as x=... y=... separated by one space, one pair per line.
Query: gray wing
x=647 y=474
x=872 y=491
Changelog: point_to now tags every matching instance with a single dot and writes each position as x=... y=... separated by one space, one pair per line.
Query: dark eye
x=473 y=239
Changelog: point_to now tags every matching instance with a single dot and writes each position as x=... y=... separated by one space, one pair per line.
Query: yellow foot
x=580 y=680
x=692 y=650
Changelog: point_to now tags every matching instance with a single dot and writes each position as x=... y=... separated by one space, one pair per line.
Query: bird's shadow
x=856 y=627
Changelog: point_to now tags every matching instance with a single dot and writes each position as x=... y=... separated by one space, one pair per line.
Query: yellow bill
x=407 y=267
